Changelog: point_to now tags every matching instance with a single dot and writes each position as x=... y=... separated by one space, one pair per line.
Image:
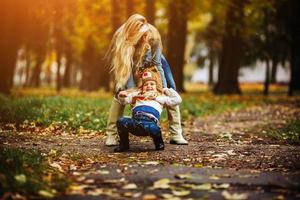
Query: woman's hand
x=122 y=94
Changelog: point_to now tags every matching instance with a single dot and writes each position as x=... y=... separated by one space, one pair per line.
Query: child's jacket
x=153 y=107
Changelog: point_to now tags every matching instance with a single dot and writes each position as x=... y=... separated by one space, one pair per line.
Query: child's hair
x=124 y=43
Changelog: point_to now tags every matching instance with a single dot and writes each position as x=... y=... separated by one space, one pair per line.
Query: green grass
x=24 y=172
x=290 y=133
x=89 y=113
x=78 y=111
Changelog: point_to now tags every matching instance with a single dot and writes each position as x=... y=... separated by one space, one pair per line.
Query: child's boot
x=158 y=141
x=124 y=143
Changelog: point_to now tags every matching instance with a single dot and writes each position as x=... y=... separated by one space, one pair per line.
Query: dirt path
x=231 y=144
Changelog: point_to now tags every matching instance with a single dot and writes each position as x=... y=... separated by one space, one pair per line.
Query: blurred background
x=212 y=45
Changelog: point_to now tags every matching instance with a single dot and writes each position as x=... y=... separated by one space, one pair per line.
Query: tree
x=150 y=11
x=130 y=7
x=13 y=19
x=177 y=31
x=232 y=50
x=294 y=16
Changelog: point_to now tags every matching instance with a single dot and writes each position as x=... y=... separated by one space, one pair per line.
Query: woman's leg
x=168 y=73
x=115 y=112
x=174 y=115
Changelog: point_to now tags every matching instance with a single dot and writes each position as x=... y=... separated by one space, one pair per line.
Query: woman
x=135 y=46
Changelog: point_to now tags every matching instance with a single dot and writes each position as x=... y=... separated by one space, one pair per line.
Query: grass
x=76 y=110
x=27 y=173
x=290 y=133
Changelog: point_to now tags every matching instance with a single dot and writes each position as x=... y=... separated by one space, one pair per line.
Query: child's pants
x=141 y=126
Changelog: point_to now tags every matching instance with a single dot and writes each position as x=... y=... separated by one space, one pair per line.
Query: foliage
x=27 y=173
x=290 y=133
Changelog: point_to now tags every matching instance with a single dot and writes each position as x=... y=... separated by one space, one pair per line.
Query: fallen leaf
x=149 y=197
x=130 y=186
x=102 y=172
x=183 y=176
x=151 y=163
x=181 y=193
x=95 y=192
x=20 y=178
x=47 y=194
x=214 y=177
x=204 y=186
x=221 y=186
x=234 y=196
x=169 y=197
x=162 y=184
x=56 y=165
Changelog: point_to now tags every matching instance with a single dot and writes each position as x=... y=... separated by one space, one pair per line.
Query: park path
x=228 y=157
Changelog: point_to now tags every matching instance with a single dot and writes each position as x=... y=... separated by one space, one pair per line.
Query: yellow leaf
x=46 y=193
x=204 y=186
x=162 y=184
x=214 y=177
x=234 y=196
x=221 y=186
x=130 y=186
x=95 y=192
x=181 y=192
x=21 y=178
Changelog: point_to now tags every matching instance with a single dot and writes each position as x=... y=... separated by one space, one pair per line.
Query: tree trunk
x=177 y=30
x=232 y=51
x=116 y=16
x=90 y=69
x=150 y=11
x=68 y=67
x=35 y=80
x=267 y=78
x=211 y=71
x=274 y=70
x=294 y=85
x=12 y=18
x=27 y=68
x=58 y=78
x=130 y=7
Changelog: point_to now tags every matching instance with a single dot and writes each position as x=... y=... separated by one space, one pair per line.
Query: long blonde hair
x=124 y=43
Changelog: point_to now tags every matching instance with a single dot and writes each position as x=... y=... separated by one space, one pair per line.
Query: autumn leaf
x=130 y=186
x=162 y=184
x=234 y=196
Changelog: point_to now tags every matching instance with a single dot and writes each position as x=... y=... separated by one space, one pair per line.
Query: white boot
x=175 y=128
x=115 y=112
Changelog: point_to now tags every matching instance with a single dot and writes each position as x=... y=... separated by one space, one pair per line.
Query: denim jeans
x=138 y=127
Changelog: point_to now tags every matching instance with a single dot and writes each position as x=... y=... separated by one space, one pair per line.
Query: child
x=147 y=103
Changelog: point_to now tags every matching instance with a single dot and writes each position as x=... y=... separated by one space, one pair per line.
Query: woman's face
x=143 y=38
x=149 y=86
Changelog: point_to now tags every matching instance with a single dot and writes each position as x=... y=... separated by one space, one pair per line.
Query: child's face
x=149 y=86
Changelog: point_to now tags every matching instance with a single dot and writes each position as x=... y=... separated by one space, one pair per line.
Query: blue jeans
x=168 y=73
x=139 y=127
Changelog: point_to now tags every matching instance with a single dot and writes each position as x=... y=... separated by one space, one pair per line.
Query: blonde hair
x=125 y=43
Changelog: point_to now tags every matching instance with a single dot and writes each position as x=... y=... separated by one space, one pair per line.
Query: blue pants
x=142 y=126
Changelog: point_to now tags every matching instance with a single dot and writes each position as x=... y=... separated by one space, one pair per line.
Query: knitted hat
x=152 y=75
